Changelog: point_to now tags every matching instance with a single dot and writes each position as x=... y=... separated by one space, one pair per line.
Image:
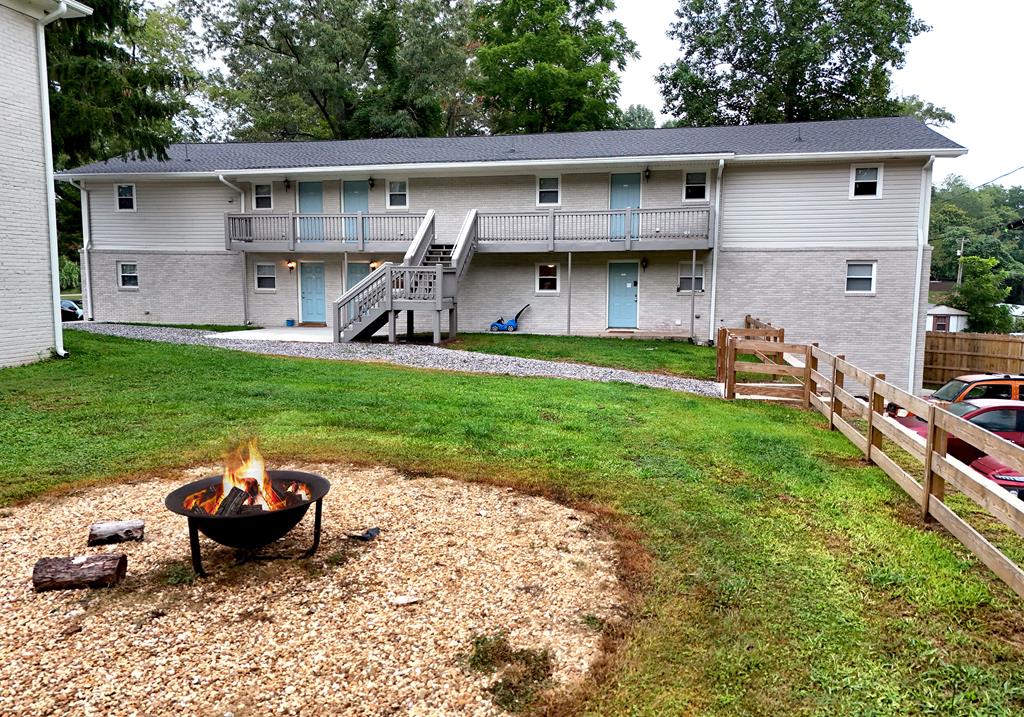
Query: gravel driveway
x=418 y=356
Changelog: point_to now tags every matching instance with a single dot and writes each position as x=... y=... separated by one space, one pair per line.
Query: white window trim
x=121 y=286
x=256 y=277
x=686 y=265
x=264 y=209
x=536 y=195
x=853 y=178
x=117 y=199
x=387 y=194
x=707 y=187
x=874 y=277
x=536 y=279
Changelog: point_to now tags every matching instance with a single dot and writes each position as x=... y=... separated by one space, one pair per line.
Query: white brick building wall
x=26 y=300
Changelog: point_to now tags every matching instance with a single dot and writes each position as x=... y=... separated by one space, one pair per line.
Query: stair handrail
x=465 y=245
x=424 y=238
x=341 y=322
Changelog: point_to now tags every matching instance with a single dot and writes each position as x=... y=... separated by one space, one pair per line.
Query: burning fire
x=245 y=470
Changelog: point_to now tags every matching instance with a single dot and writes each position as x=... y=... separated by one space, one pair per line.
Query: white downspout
x=245 y=261
x=922 y=239
x=714 y=250
x=86 y=247
x=51 y=196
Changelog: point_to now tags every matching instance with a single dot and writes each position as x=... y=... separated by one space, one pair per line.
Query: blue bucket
x=289 y=322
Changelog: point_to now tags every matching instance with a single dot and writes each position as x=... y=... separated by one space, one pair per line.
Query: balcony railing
x=320 y=232
x=598 y=228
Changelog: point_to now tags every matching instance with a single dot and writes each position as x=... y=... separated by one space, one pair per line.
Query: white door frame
x=607 y=297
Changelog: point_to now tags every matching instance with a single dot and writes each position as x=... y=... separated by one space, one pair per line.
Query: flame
x=245 y=469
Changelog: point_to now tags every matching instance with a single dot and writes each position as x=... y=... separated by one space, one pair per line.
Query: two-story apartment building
x=820 y=227
x=29 y=292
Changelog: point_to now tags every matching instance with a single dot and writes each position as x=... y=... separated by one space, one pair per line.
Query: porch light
x=287 y=184
x=374 y=265
x=643 y=263
x=369 y=182
x=291 y=265
x=647 y=174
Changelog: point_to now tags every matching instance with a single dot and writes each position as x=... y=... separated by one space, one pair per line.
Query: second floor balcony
x=317 y=233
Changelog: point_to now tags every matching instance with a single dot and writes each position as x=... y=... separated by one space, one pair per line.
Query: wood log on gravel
x=117 y=531
x=84 y=571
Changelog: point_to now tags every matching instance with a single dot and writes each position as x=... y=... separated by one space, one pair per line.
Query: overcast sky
x=969 y=63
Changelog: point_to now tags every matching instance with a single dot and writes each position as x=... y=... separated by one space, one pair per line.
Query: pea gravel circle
x=325 y=636
x=417 y=356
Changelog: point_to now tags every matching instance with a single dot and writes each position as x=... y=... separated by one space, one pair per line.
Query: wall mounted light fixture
x=643 y=263
x=370 y=182
x=287 y=184
x=647 y=174
x=374 y=265
x=291 y=266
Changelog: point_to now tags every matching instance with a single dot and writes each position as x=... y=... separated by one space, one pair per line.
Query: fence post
x=814 y=367
x=629 y=228
x=291 y=231
x=730 y=369
x=359 y=230
x=933 y=483
x=807 y=376
x=551 y=229
x=835 y=405
x=720 y=355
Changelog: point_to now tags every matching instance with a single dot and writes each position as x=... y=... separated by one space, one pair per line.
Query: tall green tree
x=767 y=61
x=110 y=96
x=338 y=69
x=981 y=295
x=549 y=65
x=637 y=117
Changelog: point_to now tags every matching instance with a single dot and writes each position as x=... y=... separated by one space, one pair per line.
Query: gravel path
x=418 y=356
x=321 y=637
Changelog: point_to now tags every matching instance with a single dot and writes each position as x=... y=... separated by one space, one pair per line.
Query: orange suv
x=980 y=385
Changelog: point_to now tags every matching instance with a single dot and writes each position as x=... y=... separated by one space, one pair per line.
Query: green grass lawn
x=788 y=577
x=678 y=358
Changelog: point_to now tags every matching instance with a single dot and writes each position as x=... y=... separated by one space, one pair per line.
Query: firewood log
x=84 y=571
x=233 y=502
x=117 y=531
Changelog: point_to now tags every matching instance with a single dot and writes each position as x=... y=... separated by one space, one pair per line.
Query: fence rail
x=866 y=421
x=948 y=355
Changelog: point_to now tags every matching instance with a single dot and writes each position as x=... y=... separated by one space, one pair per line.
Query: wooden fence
x=948 y=355
x=926 y=469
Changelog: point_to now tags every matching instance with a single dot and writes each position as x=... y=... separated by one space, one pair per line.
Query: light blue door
x=623 y=287
x=311 y=201
x=356 y=272
x=355 y=197
x=313 y=293
x=625 y=193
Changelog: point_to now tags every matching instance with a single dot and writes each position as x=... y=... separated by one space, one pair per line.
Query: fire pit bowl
x=253 y=530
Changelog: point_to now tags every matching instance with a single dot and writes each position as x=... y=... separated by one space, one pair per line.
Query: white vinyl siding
x=808 y=205
x=176 y=214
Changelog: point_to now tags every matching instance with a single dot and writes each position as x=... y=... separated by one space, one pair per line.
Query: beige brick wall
x=26 y=302
x=804 y=291
x=174 y=288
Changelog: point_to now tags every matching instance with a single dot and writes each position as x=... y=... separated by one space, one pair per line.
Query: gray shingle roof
x=863 y=135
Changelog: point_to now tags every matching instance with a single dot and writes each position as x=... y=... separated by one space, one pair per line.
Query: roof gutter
x=922 y=239
x=51 y=195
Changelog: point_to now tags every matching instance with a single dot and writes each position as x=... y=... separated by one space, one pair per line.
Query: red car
x=1003 y=475
x=1001 y=417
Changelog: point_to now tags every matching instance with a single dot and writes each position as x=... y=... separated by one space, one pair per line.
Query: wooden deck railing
x=925 y=471
x=291 y=229
x=609 y=225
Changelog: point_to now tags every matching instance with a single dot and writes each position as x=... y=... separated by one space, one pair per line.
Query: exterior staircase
x=426 y=280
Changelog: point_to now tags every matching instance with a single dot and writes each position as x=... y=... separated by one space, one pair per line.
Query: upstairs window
x=263 y=196
x=547 y=279
x=691 y=279
x=126 y=197
x=860 y=277
x=128 y=275
x=866 y=181
x=266 y=277
x=695 y=186
x=549 y=191
x=398 y=194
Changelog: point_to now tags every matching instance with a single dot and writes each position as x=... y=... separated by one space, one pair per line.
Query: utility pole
x=960 y=262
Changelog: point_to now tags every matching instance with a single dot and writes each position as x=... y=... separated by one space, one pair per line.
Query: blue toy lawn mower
x=511 y=324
